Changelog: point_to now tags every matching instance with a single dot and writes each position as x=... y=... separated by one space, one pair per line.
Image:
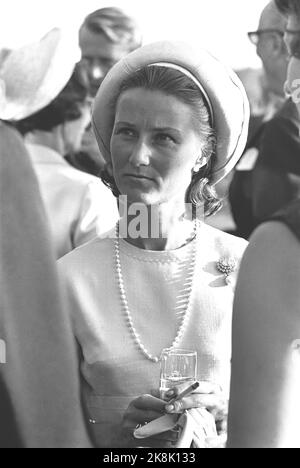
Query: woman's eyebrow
x=123 y=122
x=167 y=129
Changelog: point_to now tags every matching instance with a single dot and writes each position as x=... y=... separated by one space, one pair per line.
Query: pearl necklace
x=187 y=290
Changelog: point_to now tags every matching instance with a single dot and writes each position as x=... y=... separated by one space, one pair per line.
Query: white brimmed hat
x=33 y=75
x=221 y=87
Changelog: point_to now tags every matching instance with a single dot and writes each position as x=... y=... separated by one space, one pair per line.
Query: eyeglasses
x=292 y=40
x=255 y=35
x=293 y=32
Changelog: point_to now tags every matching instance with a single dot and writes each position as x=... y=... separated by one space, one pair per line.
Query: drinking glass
x=177 y=366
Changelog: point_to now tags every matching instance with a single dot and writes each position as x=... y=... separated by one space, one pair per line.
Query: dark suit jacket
x=240 y=189
x=275 y=180
x=276 y=176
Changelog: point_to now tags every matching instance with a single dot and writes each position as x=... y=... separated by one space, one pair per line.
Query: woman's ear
x=200 y=162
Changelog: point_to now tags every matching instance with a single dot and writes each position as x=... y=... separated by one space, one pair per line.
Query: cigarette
x=185 y=392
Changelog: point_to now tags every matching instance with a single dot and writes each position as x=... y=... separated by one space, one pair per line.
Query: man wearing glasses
x=270 y=47
x=291 y=8
x=272 y=178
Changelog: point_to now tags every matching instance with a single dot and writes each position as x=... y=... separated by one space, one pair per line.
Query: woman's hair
x=289 y=7
x=115 y=25
x=174 y=83
x=67 y=106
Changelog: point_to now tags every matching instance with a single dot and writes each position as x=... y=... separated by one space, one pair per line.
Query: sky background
x=218 y=25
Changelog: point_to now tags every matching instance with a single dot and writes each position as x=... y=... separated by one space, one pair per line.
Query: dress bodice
x=113 y=369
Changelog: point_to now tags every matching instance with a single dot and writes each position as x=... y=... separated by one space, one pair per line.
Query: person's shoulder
x=274 y=235
x=79 y=176
x=224 y=243
x=86 y=255
x=273 y=253
x=83 y=184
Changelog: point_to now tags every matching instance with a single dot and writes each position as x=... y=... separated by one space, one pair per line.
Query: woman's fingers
x=212 y=402
x=205 y=387
x=140 y=417
x=142 y=410
x=149 y=402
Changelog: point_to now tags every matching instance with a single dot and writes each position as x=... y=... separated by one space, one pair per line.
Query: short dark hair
x=289 y=7
x=115 y=25
x=177 y=84
x=67 y=106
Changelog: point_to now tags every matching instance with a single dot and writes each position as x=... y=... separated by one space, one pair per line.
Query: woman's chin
x=140 y=197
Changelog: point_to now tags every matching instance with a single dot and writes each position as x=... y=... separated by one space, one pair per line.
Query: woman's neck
x=156 y=227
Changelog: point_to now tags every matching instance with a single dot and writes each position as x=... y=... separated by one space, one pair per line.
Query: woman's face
x=73 y=130
x=292 y=40
x=154 y=146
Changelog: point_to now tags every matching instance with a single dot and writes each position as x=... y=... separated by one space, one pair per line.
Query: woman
x=264 y=401
x=39 y=391
x=71 y=197
x=168 y=132
x=52 y=115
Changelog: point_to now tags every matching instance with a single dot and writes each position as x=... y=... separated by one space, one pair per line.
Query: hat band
x=193 y=78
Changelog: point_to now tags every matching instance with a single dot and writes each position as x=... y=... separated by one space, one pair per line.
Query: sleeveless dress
x=113 y=371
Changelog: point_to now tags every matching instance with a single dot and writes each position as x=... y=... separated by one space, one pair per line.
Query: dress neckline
x=160 y=256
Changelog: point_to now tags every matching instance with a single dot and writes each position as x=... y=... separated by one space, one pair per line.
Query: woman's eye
x=164 y=138
x=125 y=131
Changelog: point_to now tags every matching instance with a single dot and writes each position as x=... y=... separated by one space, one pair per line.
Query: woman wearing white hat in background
x=57 y=107
x=39 y=385
x=170 y=122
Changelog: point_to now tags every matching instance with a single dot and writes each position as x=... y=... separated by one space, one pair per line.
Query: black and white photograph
x=149 y=226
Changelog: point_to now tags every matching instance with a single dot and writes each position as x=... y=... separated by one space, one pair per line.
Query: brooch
x=226 y=266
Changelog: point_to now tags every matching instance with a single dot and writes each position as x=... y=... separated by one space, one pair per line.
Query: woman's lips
x=138 y=176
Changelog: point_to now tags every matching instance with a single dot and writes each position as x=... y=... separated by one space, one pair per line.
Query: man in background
x=106 y=36
x=261 y=183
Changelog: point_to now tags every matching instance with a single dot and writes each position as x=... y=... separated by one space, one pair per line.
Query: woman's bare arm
x=266 y=321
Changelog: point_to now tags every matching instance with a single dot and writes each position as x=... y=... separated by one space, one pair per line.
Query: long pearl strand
x=125 y=307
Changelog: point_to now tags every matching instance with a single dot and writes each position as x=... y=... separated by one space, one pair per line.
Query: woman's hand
x=146 y=408
x=208 y=395
x=142 y=410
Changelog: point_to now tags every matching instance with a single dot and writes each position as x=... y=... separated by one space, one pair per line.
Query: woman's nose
x=141 y=154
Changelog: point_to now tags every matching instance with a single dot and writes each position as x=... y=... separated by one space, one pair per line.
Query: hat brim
x=33 y=75
x=226 y=93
